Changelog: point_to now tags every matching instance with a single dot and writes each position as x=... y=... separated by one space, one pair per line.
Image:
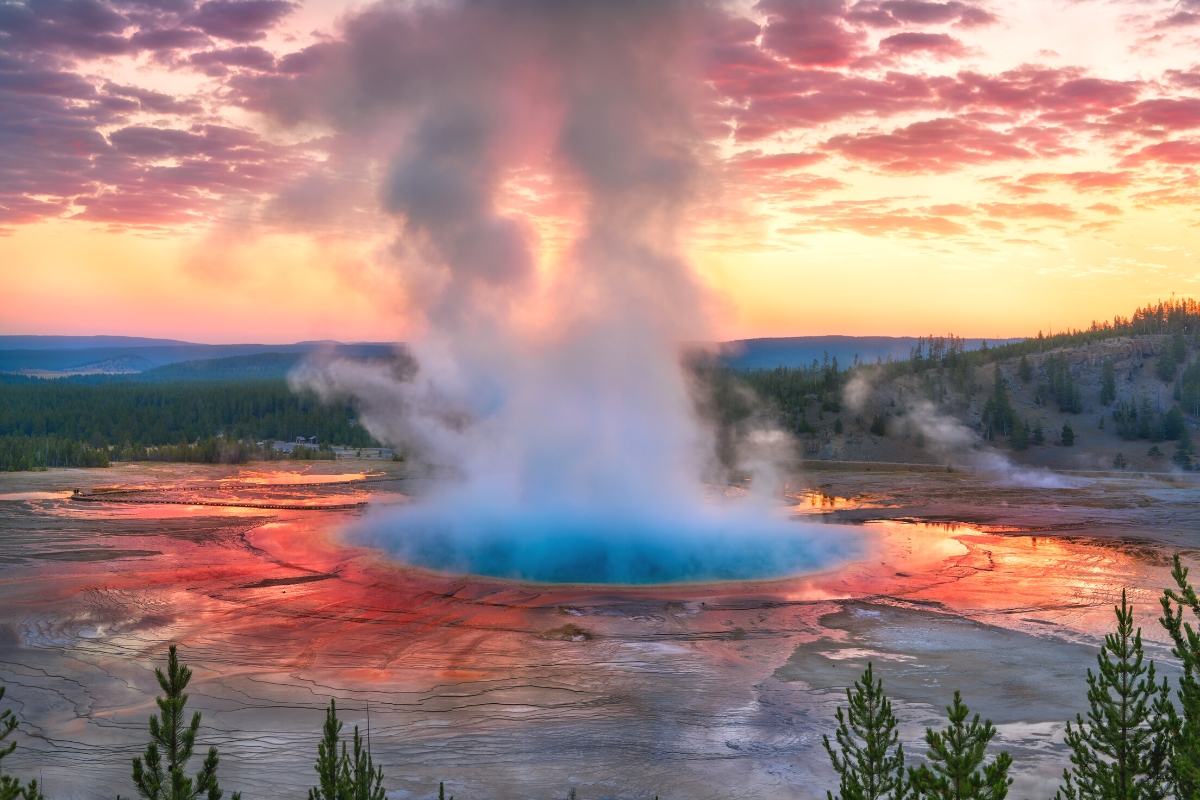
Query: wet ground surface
x=506 y=690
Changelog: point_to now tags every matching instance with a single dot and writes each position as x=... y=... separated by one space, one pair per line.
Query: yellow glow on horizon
x=68 y=278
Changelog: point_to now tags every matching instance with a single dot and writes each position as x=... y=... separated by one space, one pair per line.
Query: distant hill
x=260 y=366
x=801 y=351
x=63 y=356
x=40 y=356
x=81 y=342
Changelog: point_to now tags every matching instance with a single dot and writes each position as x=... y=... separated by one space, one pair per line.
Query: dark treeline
x=793 y=389
x=18 y=453
x=22 y=453
x=125 y=415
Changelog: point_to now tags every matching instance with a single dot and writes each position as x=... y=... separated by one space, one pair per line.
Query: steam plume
x=554 y=389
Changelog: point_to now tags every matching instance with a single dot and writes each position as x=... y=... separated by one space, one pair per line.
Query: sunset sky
x=211 y=171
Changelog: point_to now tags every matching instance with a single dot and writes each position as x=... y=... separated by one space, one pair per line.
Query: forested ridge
x=51 y=423
x=1152 y=398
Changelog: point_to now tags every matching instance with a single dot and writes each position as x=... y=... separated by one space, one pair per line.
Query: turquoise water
x=570 y=546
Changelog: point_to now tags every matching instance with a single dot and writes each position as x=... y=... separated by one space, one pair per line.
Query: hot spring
x=564 y=545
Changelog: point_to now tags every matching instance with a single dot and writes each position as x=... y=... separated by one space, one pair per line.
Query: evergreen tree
x=1179 y=346
x=1121 y=750
x=998 y=413
x=1167 y=365
x=327 y=757
x=348 y=777
x=1024 y=370
x=1068 y=435
x=1182 y=457
x=1039 y=434
x=878 y=426
x=1020 y=435
x=168 y=736
x=871 y=761
x=837 y=425
x=1185 y=749
x=10 y=787
x=362 y=778
x=1173 y=425
x=957 y=756
x=1108 y=384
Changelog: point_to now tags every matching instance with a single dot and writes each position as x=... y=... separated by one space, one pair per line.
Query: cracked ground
x=509 y=690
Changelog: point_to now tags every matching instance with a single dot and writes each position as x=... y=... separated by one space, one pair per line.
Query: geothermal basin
x=523 y=688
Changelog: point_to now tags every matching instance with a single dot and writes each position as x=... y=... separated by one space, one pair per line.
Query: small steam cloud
x=954 y=442
x=553 y=388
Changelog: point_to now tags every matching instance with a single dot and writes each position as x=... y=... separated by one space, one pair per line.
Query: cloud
x=217 y=63
x=797 y=68
x=1186 y=14
x=1167 y=113
x=756 y=161
x=880 y=218
x=891 y=13
x=1029 y=211
x=1083 y=181
x=1179 y=151
x=95 y=28
x=239 y=20
x=939 y=145
x=810 y=32
x=942 y=45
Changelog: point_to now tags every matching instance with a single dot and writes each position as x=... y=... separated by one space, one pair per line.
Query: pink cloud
x=942 y=45
x=1086 y=181
x=810 y=32
x=1169 y=113
x=1029 y=211
x=756 y=161
x=939 y=145
x=1181 y=151
x=891 y=13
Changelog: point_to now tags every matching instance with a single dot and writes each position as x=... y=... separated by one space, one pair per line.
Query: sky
x=217 y=170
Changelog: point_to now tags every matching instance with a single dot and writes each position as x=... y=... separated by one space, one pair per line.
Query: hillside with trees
x=1119 y=395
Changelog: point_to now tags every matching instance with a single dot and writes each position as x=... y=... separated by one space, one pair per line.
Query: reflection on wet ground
x=510 y=690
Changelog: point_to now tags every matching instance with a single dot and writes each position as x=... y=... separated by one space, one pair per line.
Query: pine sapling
x=327 y=757
x=1121 y=750
x=344 y=777
x=1185 y=751
x=871 y=762
x=172 y=739
x=363 y=779
x=10 y=787
x=957 y=768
